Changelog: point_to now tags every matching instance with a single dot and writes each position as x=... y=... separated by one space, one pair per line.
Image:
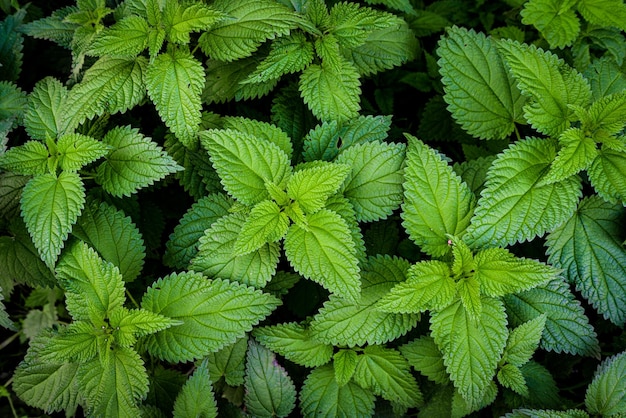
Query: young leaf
x=523 y=341
x=175 y=81
x=321 y=396
x=480 y=93
x=311 y=186
x=196 y=398
x=245 y=163
x=577 y=153
x=76 y=151
x=567 y=328
x=181 y=20
x=217 y=257
x=30 y=158
x=344 y=363
x=603 y=13
x=50 y=206
x=126 y=38
x=76 y=342
x=556 y=20
x=128 y=324
x=134 y=162
x=325 y=253
x=608 y=175
x=424 y=355
x=295 y=342
x=471 y=348
x=437 y=202
x=551 y=84
x=266 y=223
x=374 y=185
x=515 y=206
x=261 y=130
x=511 y=377
x=270 y=392
x=44 y=116
x=214 y=314
x=606 y=395
x=386 y=372
x=588 y=247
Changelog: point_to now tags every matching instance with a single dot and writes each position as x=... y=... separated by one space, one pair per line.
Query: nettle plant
x=326 y=264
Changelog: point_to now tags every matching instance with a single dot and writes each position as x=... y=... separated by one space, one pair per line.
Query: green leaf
x=215 y=313
x=608 y=175
x=229 y=363
x=604 y=13
x=501 y=272
x=246 y=26
x=94 y=287
x=331 y=94
x=606 y=395
x=266 y=223
x=480 y=93
x=545 y=413
x=114 y=387
x=128 y=324
x=523 y=341
x=5 y=321
x=311 y=186
x=44 y=117
x=424 y=355
x=429 y=286
x=11 y=44
x=196 y=398
x=246 y=163
x=217 y=256
x=134 y=162
x=126 y=38
x=182 y=245
x=181 y=20
x=341 y=206
x=269 y=391
x=511 y=377
x=261 y=130
x=344 y=322
x=374 y=185
x=588 y=247
x=111 y=85
x=321 y=396
x=386 y=372
x=76 y=342
x=556 y=20
x=550 y=83
x=607 y=115
x=344 y=363
x=325 y=253
x=567 y=328
x=175 y=81
x=577 y=153
x=224 y=81
x=515 y=206
x=295 y=342
x=30 y=158
x=437 y=202
x=50 y=206
x=54 y=27
x=76 y=151
x=471 y=348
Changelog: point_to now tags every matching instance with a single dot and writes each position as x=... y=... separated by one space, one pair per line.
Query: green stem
x=132 y=299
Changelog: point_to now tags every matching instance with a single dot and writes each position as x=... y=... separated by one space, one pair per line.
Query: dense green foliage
x=313 y=208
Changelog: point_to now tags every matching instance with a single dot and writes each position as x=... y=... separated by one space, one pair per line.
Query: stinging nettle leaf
x=523 y=341
x=30 y=158
x=45 y=115
x=229 y=363
x=126 y=38
x=196 y=398
x=76 y=150
x=511 y=377
x=556 y=20
x=181 y=20
x=608 y=175
x=480 y=93
x=603 y=13
x=344 y=363
x=606 y=395
x=424 y=355
x=266 y=223
x=312 y=186
x=577 y=153
x=262 y=130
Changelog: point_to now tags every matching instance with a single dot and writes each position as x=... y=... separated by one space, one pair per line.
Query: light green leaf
x=181 y=20
x=261 y=130
x=128 y=324
x=196 y=398
x=577 y=153
x=604 y=13
x=54 y=27
x=245 y=27
x=30 y=158
x=229 y=363
x=556 y=20
x=266 y=223
x=175 y=81
x=295 y=342
x=424 y=355
x=608 y=115
x=322 y=397
x=547 y=413
x=606 y=395
x=327 y=49
x=76 y=342
x=343 y=208
x=550 y=83
x=374 y=185
x=567 y=328
x=110 y=85
x=182 y=245
x=325 y=253
x=523 y=341
x=351 y=23
x=217 y=257
x=515 y=206
x=311 y=186
x=500 y=272
x=344 y=322
x=588 y=247
x=246 y=163
x=76 y=151
x=331 y=94
x=511 y=377
x=471 y=349
x=215 y=313
x=437 y=202
x=126 y=38
x=344 y=363
x=468 y=289
x=430 y=286
x=480 y=93
x=386 y=372
x=45 y=115
x=608 y=175
x=50 y=206
x=269 y=391
x=134 y=162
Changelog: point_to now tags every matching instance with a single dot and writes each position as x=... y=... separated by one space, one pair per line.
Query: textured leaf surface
x=5 y=321
x=523 y=341
x=608 y=175
x=135 y=162
x=424 y=355
x=127 y=38
x=76 y=150
x=606 y=395
x=437 y=202
x=214 y=314
x=30 y=158
x=44 y=116
x=310 y=187
x=556 y=20
x=480 y=93
x=196 y=398
x=229 y=362
x=50 y=206
x=604 y=13
x=181 y=20
x=266 y=223
x=261 y=130
x=588 y=247
x=515 y=206
x=344 y=363
x=577 y=153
